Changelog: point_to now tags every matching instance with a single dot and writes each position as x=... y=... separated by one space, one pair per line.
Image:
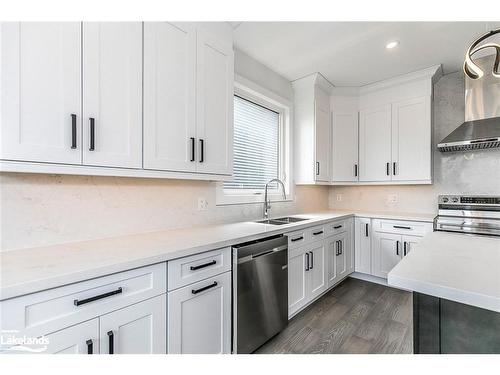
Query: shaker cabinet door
x=387 y=252
x=136 y=329
x=82 y=338
x=40 y=80
x=170 y=96
x=112 y=94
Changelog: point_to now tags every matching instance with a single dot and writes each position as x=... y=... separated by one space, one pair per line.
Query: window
x=256 y=145
x=260 y=145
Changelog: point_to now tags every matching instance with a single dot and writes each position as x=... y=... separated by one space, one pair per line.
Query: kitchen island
x=455 y=279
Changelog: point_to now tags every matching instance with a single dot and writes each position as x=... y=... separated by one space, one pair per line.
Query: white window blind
x=256 y=145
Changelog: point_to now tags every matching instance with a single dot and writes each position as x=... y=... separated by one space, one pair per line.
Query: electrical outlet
x=392 y=198
x=339 y=197
x=202 y=204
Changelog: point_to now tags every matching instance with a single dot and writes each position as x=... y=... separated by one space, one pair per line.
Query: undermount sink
x=281 y=220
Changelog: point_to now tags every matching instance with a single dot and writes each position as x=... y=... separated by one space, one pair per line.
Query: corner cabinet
x=73 y=95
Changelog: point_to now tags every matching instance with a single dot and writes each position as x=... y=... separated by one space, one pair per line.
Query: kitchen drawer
x=197 y=267
x=317 y=233
x=337 y=227
x=54 y=309
x=416 y=228
x=298 y=238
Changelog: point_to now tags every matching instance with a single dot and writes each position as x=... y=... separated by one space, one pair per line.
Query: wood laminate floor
x=355 y=317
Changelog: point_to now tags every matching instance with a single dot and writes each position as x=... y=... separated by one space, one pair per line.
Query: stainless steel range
x=468 y=214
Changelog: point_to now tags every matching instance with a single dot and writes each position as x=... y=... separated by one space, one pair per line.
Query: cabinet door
x=345 y=147
x=411 y=139
x=342 y=254
x=331 y=259
x=322 y=135
x=40 y=80
x=169 y=96
x=316 y=275
x=112 y=94
x=214 y=104
x=199 y=317
x=297 y=288
x=409 y=242
x=82 y=338
x=362 y=244
x=387 y=252
x=375 y=144
x=136 y=329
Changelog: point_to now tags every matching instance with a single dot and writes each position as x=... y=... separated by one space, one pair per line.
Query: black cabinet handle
x=297 y=239
x=341 y=244
x=337 y=248
x=92 y=134
x=307 y=261
x=394 y=168
x=317 y=168
x=202 y=151
x=317 y=233
x=404 y=248
x=366 y=230
x=337 y=227
x=397 y=247
x=111 y=338
x=400 y=227
x=194 y=268
x=95 y=298
x=192 y=148
x=196 y=291
x=355 y=170
x=73 y=131
x=388 y=169
x=90 y=346
x=312 y=260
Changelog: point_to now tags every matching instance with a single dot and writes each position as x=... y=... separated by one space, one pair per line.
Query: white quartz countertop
x=27 y=271
x=458 y=267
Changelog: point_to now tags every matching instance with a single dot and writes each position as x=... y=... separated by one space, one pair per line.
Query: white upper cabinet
x=312 y=130
x=112 y=94
x=214 y=104
x=375 y=144
x=169 y=96
x=411 y=139
x=40 y=81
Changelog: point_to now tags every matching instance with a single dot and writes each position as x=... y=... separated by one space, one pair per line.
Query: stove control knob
x=454 y=200
x=445 y=200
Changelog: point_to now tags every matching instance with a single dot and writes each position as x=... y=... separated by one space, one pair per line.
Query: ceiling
x=354 y=53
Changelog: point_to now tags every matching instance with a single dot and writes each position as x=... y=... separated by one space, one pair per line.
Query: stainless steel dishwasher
x=260 y=292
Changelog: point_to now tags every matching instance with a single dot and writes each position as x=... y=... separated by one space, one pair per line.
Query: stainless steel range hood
x=481 y=128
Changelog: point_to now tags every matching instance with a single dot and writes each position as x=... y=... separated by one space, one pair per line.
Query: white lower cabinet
x=82 y=338
x=135 y=329
x=386 y=253
x=318 y=265
x=199 y=317
x=362 y=241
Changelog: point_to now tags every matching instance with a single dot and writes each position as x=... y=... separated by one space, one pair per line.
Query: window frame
x=263 y=97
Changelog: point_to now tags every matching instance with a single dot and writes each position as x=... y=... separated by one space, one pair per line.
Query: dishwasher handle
x=251 y=257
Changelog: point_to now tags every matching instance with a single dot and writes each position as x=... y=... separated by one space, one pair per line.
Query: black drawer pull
x=394 y=168
x=92 y=134
x=317 y=168
x=316 y=233
x=95 y=298
x=388 y=169
x=337 y=227
x=192 y=149
x=297 y=239
x=307 y=261
x=196 y=291
x=73 y=131
x=397 y=247
x=111 y=338
x=202 y=150
x=312 y=260
x=194 y=268
x=400 y=227
x=337 y=248
x=355 y=170
x=404 y=248
x=366 y=229
x=90 y=347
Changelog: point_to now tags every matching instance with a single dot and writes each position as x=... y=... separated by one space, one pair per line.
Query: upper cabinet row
x=146 y=97
x=376 y=134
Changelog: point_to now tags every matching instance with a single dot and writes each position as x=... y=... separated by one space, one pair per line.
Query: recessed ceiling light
x=392 y=44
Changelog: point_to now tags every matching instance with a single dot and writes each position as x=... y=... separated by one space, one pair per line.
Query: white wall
x=38 y=210
x=475 y=172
